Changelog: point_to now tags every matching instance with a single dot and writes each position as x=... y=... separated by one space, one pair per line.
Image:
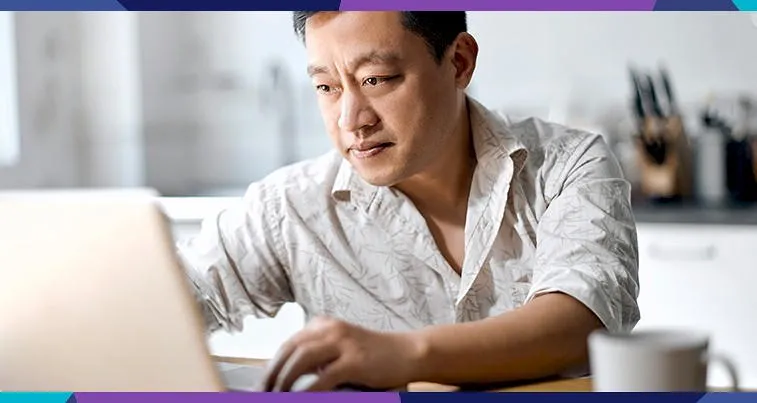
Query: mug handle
x=727 y=364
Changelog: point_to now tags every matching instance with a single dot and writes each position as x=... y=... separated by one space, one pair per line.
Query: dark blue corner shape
x=694 y=5
x=551 y=397
x=60 y=5
x=230 y=5
x=729 y=397
x=71 y=399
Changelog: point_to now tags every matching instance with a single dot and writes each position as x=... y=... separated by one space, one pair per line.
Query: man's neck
x=443 y=188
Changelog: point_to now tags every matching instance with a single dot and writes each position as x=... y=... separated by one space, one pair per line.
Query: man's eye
x=374 y=81
x=323 y=88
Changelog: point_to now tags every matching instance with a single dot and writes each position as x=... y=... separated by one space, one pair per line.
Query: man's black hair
x=437 y=28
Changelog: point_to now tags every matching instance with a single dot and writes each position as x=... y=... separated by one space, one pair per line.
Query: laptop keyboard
x=241 y=378
x=247 y=378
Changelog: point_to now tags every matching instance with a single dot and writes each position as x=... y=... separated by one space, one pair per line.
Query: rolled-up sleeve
x=587 y=242
x=235 y=262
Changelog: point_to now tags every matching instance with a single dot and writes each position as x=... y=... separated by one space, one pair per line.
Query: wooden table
x=561 y=385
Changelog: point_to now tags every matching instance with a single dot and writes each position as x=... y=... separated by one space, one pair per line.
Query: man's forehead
x=359 y=26
x=386 y=18
x=356 y=39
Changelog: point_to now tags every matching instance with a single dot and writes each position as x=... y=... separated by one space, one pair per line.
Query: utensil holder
x=664 y=156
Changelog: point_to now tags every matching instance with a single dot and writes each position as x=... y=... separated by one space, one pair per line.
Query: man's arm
x=586 y=277
x=542 y=338
x=235 y=263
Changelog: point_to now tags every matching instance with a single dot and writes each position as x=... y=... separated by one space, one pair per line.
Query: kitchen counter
x=192 y=209
x=696 y=214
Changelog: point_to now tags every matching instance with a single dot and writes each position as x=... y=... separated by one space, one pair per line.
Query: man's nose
x=355 y=112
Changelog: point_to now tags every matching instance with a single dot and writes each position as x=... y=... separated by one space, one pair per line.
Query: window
x=9 y=134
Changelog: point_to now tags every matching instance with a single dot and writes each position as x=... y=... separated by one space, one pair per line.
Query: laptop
x=93 y=298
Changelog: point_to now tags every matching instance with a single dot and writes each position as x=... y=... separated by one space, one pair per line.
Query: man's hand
x=343 y=354
x=542 y=338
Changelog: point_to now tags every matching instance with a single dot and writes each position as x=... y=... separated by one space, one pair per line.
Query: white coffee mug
x=652 y=361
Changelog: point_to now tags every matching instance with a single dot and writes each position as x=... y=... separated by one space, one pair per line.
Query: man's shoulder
x=320 y=170
x=554 y=148
x=551 y=139
x=556 y=151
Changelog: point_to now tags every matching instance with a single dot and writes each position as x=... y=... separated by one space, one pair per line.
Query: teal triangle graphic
x=14 y=397
x=745 y=5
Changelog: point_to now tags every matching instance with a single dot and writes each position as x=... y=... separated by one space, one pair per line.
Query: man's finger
x=332 y=376
x=275 y=365
x=305 y=360
x=282 y=354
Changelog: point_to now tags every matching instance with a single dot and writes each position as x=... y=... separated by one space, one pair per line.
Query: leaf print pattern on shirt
x=549 y=211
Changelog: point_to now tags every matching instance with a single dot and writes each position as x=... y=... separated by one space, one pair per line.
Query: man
x=438 y=242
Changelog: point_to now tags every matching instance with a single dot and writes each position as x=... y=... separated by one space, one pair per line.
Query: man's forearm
x=542 y=338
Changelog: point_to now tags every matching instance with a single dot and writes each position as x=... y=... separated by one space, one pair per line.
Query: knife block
x=668 y=178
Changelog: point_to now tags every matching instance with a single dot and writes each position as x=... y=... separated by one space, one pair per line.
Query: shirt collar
x=492 y=140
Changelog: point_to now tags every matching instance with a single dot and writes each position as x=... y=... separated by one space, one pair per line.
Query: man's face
x=389 y=107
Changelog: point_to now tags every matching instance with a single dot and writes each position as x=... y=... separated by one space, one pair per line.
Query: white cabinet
x=703 y=277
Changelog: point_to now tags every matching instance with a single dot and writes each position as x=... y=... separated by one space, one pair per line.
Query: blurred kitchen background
x=198 y=105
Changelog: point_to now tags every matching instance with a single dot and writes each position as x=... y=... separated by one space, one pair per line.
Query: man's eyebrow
x=314 y=69
x=373 y=57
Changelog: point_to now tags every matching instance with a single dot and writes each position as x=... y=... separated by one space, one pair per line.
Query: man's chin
x=378 y=179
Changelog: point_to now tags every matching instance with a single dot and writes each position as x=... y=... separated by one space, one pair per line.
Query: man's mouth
x=369 y=149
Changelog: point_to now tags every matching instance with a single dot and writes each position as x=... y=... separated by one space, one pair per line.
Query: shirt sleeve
x=586 y=238
x=235 y=263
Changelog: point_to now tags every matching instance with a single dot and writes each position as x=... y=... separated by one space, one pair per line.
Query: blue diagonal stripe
x=694 y=5
x=230 y=5
x=551 y=397
x=729 y=398
x=13 y=397
x=60 y=5
x=746 y=5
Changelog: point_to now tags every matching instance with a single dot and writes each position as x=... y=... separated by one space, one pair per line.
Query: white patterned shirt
x=548 y=211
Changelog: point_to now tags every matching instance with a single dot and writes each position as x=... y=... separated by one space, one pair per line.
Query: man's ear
x=464 y=52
